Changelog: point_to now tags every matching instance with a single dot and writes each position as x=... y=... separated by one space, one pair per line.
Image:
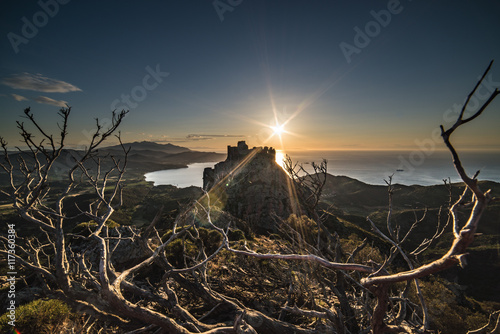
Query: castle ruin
x=235 y=155
x=250 y=185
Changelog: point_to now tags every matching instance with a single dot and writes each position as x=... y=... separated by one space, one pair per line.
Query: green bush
x=236 y=234
x=39 y=316
x=211 y=239
x=177 y=249
x=190 y=245
x=85 y=226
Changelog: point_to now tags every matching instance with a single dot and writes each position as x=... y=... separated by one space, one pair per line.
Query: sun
x=278 y=130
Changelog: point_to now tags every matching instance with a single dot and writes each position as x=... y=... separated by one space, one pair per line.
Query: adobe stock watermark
x=427 y=146
x=222 y=6
x=11 y=274
x=151 y=81
x=40 y=19
x=373 y=28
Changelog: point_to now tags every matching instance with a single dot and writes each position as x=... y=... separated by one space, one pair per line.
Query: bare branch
x=491 y=321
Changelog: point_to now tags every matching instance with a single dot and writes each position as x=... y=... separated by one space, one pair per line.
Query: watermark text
x=363 y=37
x=223 y=6
x=11 y=274
x=40 y=19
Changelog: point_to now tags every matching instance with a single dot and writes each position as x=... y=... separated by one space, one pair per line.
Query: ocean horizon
x=371 y=167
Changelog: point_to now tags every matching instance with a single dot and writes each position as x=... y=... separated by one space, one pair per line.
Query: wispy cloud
x=208 y=137
x=48 y=100
x=19 y=97
x=171 y=140
x=185 y=139
x=161 y=139
x=38 y=83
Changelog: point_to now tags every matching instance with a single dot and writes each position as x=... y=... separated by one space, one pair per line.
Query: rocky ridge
x=250 y=185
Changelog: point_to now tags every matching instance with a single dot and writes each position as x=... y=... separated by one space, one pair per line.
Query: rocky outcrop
x=252 y=186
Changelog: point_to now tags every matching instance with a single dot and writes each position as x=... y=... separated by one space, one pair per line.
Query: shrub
x=85 y=226
x=236 y=234
x=178 y=249
x=211 y=239
x=39 y=316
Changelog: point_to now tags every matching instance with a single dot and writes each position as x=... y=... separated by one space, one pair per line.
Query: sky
x=348 y=75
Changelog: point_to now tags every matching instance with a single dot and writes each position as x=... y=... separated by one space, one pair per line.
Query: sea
x=417 y=167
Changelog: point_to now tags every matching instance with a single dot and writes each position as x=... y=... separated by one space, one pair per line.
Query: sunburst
x=278 y=129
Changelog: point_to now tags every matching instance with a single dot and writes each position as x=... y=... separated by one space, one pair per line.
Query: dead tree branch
x=463 y=236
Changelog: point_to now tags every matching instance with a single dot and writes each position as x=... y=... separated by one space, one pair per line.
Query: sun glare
x=278 y=129
x=280 y=158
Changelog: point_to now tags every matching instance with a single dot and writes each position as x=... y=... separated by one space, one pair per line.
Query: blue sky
x=205 y=74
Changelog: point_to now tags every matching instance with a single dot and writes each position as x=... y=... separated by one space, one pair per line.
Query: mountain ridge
x=150 y=146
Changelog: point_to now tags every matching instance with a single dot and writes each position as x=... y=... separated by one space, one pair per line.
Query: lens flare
x=280 y=158
x=278 y=129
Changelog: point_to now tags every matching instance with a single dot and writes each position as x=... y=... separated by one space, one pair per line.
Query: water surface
x=182 y=177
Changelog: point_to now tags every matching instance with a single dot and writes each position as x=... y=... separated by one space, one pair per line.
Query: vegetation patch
x=39 y=316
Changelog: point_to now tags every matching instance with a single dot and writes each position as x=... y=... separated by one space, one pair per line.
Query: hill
x=351 y=201
x=143 y=157
x=149 y=146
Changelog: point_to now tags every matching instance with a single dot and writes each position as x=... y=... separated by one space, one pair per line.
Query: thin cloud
x=171 y=140
x=186 y=139
x=208 y=137
x=162 y=139
x=48 y=100
x=38 y=83
x=18 y=97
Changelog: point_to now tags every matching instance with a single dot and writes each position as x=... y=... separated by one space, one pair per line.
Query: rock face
x=252 y=186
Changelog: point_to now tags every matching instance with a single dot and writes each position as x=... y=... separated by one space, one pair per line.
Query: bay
x=181 y=177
